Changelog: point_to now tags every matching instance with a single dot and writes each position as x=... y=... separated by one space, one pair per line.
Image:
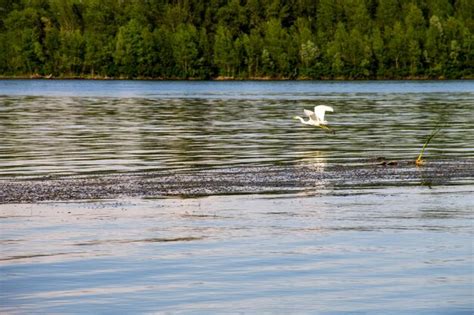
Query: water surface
x=84 y=127
x=403 y=246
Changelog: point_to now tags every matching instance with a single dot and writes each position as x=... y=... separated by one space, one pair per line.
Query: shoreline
x=221 y=78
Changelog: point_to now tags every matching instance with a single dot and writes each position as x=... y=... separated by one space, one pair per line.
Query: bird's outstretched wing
x=310 y=114
x=320 y=110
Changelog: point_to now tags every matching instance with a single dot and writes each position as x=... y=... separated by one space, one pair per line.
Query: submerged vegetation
x=313 y=39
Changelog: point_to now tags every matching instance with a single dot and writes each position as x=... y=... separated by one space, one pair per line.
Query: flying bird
x=316 y=118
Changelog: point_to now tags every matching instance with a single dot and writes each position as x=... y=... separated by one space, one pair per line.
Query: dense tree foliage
x=238 y=38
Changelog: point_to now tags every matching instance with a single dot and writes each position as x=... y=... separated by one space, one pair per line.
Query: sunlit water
x=383 y=250
x=71 y=127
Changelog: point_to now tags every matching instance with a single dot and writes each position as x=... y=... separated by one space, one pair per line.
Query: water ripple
x=70 y=135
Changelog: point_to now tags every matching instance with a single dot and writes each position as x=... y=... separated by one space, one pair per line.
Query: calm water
x=84 y=127
x=384 y=250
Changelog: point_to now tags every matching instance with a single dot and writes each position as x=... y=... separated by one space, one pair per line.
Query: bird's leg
x=327 y=129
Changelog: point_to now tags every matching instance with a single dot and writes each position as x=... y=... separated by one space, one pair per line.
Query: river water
x=380 y=249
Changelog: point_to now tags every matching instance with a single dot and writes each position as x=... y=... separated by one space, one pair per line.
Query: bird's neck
x=301 y=119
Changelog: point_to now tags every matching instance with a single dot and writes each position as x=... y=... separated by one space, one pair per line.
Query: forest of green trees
x=242 y=39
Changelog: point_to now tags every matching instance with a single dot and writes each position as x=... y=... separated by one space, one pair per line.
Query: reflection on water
x=45 y=135
x=351 y=248
x=407 y=246
x=315 y=162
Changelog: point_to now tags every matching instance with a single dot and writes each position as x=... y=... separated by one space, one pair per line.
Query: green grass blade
x=428 y=140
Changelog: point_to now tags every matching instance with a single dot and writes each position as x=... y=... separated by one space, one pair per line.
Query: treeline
x=314 y=39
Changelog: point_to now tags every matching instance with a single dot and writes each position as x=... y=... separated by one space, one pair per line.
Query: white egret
x=316 y=118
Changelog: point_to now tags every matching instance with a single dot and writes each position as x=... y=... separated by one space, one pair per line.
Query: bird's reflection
x=316 y=183
x=315 y=161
